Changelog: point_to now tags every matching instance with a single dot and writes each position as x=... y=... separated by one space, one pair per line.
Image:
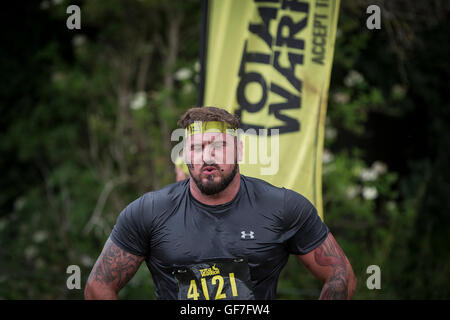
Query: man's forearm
x=112 y=270
x=340 y=283
x=97 y=292
x=338 y=288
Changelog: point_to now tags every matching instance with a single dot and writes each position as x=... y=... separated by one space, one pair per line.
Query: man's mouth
x=209 y=170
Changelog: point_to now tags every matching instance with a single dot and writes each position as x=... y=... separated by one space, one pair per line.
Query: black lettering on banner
x=319 y=34
x=292 y=102
x=287 y=36
x=293 y=28
x=249 y=77
x=322 y=4
x=246 y=79
x=262 y=30
x=289 y=72
x=295 y=5
x=257 y=57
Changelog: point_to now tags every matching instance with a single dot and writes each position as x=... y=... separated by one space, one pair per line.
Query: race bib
x=222 y=279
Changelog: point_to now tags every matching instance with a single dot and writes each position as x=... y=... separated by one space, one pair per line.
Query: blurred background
x=86 y=118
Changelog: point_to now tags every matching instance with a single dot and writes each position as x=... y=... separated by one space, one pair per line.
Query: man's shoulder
x=267 y=189
x=259 y=183
x=172 y=188
x=162 y=198
x=170 y=193
x=261 y=187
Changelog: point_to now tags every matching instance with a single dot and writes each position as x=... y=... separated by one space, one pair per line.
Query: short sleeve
x=304 y=229
x=130 y=232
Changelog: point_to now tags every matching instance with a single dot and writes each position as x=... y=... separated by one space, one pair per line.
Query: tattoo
x=115 y=266
x=330 y=254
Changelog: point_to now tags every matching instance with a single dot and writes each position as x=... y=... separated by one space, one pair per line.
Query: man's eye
x=197 y=148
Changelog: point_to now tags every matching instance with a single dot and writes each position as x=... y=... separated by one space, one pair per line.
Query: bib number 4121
x=214 y=281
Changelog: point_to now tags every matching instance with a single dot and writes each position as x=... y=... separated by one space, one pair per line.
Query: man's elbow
x=352 y=281
x=90 y=292
x=96 y=291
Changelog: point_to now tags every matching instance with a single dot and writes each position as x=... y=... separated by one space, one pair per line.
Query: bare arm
x=113 y=269
x=330 y=265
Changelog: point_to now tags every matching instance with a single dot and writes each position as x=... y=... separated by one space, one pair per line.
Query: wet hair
x=208 y=114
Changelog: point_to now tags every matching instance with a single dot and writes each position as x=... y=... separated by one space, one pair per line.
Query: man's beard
x=210 y=187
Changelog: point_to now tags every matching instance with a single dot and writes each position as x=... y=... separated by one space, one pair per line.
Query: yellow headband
x=210 y=126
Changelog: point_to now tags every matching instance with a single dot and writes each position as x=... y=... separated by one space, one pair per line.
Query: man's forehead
x=209 y=137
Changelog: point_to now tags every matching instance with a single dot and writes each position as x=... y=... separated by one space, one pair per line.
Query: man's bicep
x=326 y=259
x=330 y=265
x=114 y=267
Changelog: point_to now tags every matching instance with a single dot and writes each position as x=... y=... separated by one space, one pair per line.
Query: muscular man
x=218 y=234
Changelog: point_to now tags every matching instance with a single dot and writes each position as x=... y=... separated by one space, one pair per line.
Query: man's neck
x=222 y=197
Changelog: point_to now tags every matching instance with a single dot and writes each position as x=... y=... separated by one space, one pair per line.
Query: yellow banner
x=269 y=62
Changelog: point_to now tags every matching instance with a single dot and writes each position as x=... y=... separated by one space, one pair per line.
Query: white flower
x=330 y=133
x=58 y=77
x=19 y=203
x=370 y=193
x=379 y=167
x=188 y=88
x=368 y=175
x=87 y=261
x=341 y=97
x=353 y=78
x=353 y=191
x=39 y=236
x=183 y=74
x=197 y=66
x=391 y=205
x=45 y=5
x=327 y=156
x=39 y=263
x=30 y=252
x=398 y=91
x=78 y=40
x=139 y=101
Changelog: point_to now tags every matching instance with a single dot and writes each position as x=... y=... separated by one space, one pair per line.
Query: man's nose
x=208 y=155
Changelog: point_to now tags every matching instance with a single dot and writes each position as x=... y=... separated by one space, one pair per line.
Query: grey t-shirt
x=176 y=233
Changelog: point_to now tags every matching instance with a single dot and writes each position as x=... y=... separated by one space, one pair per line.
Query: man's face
x=212 y=160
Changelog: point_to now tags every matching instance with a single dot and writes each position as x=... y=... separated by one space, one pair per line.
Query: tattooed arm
x=113 y=269
x=330 y=265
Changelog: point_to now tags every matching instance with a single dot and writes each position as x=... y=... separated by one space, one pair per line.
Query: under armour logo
x=246 y=236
